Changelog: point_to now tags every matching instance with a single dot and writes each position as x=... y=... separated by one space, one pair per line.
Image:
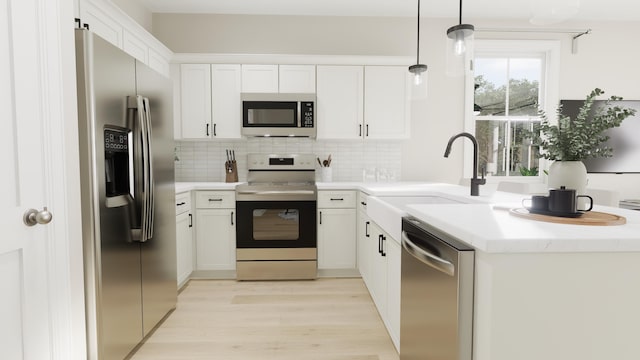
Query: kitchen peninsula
x=542 y=290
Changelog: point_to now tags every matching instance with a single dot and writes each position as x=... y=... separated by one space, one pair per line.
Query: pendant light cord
x=418 y=41
x=460 y=14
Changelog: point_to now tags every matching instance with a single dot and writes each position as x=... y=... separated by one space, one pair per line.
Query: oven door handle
x=276 y=192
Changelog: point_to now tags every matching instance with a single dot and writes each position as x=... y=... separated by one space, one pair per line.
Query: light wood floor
x=324 y=319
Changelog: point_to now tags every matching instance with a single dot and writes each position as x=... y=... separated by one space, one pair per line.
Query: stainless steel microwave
x=282 y=115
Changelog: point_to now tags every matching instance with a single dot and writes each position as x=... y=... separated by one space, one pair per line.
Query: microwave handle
x=299 y=114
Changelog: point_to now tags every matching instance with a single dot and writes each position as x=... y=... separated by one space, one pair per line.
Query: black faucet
x=475 y=182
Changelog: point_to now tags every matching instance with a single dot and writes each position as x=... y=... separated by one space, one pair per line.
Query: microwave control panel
x=307 y=114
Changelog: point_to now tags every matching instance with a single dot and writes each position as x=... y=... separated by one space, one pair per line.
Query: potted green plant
x=572 y=140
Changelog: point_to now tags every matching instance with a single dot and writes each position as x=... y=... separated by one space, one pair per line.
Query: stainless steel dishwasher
x=436 y=294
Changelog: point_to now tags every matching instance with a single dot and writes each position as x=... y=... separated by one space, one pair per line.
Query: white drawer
x=363 y=198
x=215 y=199
x=336 y=199
x=183 y=203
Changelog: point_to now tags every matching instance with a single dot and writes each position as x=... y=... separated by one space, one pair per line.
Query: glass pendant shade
x=419 y=83
x=459 y=49
x=419 y=71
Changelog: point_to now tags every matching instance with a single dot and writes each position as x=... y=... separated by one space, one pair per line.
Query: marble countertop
x=485 y=223
x=188 y=186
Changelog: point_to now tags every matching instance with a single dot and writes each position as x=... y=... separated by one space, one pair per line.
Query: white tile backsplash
x=204 y=160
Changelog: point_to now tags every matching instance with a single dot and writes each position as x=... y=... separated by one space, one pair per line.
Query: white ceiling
x=537 y=11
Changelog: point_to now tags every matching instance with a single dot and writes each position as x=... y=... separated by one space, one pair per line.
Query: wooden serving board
x=589 y=218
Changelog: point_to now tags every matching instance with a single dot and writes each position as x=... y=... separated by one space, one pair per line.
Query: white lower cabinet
x=378 y=262
x=337 y=230
x=336 y=239
x=215 y=230
x=394 y=254
x=364 y=236
x=382 y=276
x=184 y=238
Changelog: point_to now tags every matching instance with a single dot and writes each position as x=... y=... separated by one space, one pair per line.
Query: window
x=510 y=85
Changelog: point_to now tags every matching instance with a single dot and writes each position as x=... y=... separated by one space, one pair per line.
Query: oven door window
x=276 y=224
x=270 y=113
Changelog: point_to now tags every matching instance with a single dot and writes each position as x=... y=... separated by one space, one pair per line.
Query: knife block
x=231 y=171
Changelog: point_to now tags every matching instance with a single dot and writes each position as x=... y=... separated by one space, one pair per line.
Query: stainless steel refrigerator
x=127 y=184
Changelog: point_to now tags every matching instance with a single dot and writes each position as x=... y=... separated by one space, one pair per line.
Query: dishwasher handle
x=426 y=257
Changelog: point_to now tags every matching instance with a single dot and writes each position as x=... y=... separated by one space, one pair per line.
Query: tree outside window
x=506 y=103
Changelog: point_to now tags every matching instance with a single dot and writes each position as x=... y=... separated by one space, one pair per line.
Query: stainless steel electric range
x=276 y=218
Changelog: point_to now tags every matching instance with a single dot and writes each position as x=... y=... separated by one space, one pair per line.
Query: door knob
x=32 y=217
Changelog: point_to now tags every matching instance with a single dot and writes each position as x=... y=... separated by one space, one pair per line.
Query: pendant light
x=419 y=71
x=459 y=46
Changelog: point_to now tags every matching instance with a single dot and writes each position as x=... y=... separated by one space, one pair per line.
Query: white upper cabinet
x=108 y=21
x=101 y=23
x=260 y=78
x=210 y=101
x=195 y=89
x=297 y=79
x=278 y=78
x=356 y=102
x=386 y=102
x=339 y=98
x=225 y=99
x=135 y=46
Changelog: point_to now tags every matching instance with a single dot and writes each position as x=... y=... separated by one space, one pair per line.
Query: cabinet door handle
x=360 y=131
x=232 y=218
x=190 y=220
x=337 y=199
x=383 y=253
x=363 y=203
x=320 y=217
x=180 y=203
x=380 y=244
x=207 y=129
x=367 y=130
x=214 y=130
x=366 y=229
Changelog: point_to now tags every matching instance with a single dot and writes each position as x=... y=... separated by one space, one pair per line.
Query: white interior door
x=27 y=315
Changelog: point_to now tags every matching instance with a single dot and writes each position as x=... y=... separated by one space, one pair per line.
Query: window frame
x=549 y=52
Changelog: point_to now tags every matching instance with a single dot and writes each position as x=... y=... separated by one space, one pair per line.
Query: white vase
x=570 y=174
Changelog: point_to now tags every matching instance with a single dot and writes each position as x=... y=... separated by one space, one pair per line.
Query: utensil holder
x=326 y=174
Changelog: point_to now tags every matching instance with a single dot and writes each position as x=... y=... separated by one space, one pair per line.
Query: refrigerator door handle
x=141 y=193
x=150 y=178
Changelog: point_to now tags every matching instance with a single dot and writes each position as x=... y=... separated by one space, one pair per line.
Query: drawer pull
x=210 y=200
x=337 y=199
x=181 y=203
x=363 y=203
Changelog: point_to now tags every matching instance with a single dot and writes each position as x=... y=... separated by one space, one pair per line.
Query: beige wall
x=607 y=58
x=136 y=11
x=189 y=33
